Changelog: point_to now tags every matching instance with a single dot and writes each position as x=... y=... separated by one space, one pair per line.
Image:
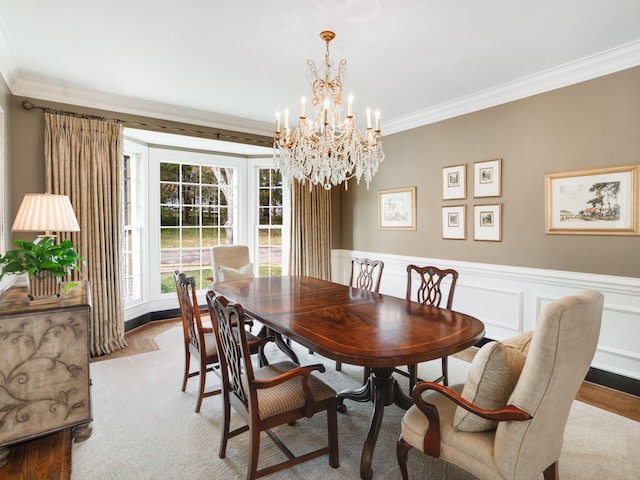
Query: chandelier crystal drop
x=328 y=149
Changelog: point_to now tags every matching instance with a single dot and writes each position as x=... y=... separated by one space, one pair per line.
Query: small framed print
x=487 y=178
x=454 y=182
x=397 y=209
x=454 y=222
x=487 y=222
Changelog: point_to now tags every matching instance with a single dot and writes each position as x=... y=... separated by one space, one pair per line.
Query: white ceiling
x=232 y=64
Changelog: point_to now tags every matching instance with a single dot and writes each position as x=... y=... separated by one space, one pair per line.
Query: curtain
x=310 y=231
x=82 y=160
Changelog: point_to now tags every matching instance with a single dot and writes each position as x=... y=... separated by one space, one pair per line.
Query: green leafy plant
x=39 y=257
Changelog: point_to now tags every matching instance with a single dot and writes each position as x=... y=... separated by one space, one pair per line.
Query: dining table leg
x=280 y=342
x=383 y=389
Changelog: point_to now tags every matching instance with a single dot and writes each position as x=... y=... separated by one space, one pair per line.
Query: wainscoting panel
x=509 y=300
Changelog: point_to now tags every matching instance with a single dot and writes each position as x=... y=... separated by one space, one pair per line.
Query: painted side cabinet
x=44 y=366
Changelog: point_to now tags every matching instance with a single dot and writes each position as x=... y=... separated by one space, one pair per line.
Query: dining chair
x=507 y=421
x=366 y=274
x=266 y=397
x=231 y=262
x=199 y=341
x=429 y=291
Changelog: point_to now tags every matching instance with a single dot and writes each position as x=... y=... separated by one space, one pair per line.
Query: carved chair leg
x=187 y=365
x=402 y=450
x=413 y=376
x=203 y=379
x=332 y=428
x=445 y=371
x=551 y=472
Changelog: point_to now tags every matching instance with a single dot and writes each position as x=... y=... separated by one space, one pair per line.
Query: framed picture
x=397 y=209
x=602 y=201
x=454 y=182
x=454 y=222
x=487 y=178
x=487 y=222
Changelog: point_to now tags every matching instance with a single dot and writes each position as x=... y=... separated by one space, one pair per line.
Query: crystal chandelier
x=328 y=149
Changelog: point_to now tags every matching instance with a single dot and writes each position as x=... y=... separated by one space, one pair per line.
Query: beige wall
x=5 y=164
x=589 y=125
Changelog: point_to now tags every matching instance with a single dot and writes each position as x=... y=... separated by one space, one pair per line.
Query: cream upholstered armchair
x=231 y=262
x=520 y=403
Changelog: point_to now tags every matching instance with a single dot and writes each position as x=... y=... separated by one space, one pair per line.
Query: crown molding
x=91 y=99
x=588 y=68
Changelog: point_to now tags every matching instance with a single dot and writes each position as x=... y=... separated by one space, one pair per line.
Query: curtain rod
x=217 y=135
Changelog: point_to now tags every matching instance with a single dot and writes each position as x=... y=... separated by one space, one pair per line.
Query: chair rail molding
x=508 y=300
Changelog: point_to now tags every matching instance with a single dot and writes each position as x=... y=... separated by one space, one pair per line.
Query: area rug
x=145 y=428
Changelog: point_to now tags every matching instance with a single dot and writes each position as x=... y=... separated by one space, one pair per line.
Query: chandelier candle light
x=328 y=149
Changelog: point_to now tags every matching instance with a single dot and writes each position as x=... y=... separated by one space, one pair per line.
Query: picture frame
x=601 y=201
x=487 y=222
x=397 y=209
x=454 y=222
x=454 y=182
x=487 y=178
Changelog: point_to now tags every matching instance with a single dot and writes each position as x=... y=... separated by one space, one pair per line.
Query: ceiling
x=231 y=64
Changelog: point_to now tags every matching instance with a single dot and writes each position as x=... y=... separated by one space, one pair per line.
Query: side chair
x=507 y=421
x=269 y=396
x=366 y=274
x=199 y=341
x=429 y=292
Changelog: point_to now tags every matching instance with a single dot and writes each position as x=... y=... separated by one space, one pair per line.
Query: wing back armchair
x=530 y=427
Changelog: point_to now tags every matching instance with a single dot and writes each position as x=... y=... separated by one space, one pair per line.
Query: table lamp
x=45 y=212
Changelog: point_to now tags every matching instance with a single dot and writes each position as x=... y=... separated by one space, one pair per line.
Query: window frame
x=140 y=151
x=158 y=155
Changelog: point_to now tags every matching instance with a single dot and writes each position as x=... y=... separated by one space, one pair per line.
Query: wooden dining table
x=355 y=327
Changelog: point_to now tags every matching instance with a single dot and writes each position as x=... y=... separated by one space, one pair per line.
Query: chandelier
x=328 y=149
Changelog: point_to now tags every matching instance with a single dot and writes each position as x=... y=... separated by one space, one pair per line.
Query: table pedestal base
x=384 y=390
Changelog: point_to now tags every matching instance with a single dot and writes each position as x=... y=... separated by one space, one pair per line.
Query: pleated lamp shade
x=45 y=212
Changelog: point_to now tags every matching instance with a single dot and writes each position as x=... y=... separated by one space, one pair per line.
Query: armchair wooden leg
x=551 y=472
x=402 y=450
x=338 y=366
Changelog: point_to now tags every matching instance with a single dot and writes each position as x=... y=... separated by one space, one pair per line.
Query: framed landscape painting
x=397 y=209
x=601 y=201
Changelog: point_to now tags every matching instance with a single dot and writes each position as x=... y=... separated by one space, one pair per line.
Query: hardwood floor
x=49 y=458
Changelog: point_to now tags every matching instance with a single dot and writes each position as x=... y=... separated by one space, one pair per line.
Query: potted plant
x=45 y=262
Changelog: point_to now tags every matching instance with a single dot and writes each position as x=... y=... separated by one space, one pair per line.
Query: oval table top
x=351 y=325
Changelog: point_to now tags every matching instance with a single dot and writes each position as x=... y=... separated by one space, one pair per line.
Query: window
x=198 y=209
x=180 y=198
x=133 y=222
x=270 y=222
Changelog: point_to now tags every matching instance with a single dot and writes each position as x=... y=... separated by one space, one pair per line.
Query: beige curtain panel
x=82 y=160
x=310 y=231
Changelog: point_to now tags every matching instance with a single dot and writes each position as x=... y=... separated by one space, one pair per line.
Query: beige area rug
x=145 y=428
